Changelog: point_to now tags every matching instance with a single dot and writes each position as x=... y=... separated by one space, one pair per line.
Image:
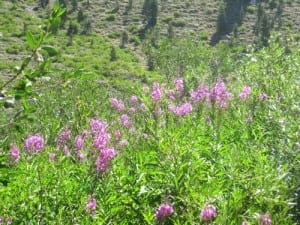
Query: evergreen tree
x=150 y=11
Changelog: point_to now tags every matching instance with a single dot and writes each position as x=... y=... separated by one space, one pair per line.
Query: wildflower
x=156 y=93
x=80 y=156
x=118 y=134
x=66 y=151
x=117 y=104
x=263 y=96
x=164 y=211
x=244 y=223
x=172 y=108
x=220 y=95
x=158 y=112
x=184 y=109
x=179 y=84
x=52 y=157
x=125 y=121
x=101 y=140
x=91 y=205
x=8 y=220
x=79 y=142
x=249 y=119
x=14 y=152
x=98 y=125
x=208 y=213
x=64 y=137
x=133 y=100
x=265 y=219
x=132 y=110
x=143 y=107
x=200 y=94
x=34 y=143
x=245 y=93
x=123 y=142
x=105 y=157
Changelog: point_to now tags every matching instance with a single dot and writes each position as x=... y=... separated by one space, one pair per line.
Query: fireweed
x=164 y=211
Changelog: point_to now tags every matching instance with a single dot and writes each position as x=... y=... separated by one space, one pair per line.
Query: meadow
x=210 y=137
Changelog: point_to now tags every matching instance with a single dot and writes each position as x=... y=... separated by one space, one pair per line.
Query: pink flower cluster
x=4 y=220
x=200 y=94
x=164 y=211
x=117 y=104
x=156 y=93
x=219 y=95
x=125 y=121
x=105 y=157
x=265 y=219
x=34 y=143
x=245 y=93
x=14 y=152
x=101 y=139
x=64 y=137
x=179 y=85
x=91 y=204
x=209 y=212
x=181 y=110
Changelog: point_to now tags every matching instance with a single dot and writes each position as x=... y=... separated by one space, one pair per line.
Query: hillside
x=124 y=24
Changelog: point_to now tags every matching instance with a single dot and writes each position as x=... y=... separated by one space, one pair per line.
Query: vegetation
x=207 y=135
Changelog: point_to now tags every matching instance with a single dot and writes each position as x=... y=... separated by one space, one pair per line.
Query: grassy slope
x=108 y=18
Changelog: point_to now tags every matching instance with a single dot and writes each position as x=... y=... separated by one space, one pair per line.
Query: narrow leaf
x=30 y=39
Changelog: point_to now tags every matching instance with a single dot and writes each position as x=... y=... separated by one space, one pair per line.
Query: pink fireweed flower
x=91 y=204
x=66 y=151
x=249 y=119
x=263 y=96
x=184 y=109
x=101 y=140
x=14 y=152
x=133 y=100
x=80 y=156
x=179 y=84
x=114 y=102
x=64 y=137
x=34 y=143
x=245 y=93
x=156 y=93
x=131 y=110
x=265 y=219
x=105 y=157
x=79 y=143
x=220 y=95
x=119 y=105
x=164 y=211
x=9 y=221
x=244 y=223
x=143 y=107
x=208 y=213
x=172 y=108
x=171 y=94
x=200 y=94
x=123 y=142
x=158 y=112
x=52 y=157
x=118 y=134
x=98 y=125
x=125 y=121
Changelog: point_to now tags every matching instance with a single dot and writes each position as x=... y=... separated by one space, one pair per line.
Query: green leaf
x=50 y=50
x=30 y=39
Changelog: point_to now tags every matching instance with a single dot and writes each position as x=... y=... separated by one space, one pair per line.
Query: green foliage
x=242 y=159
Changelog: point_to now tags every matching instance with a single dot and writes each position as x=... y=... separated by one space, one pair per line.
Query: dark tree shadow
x=230 y=15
